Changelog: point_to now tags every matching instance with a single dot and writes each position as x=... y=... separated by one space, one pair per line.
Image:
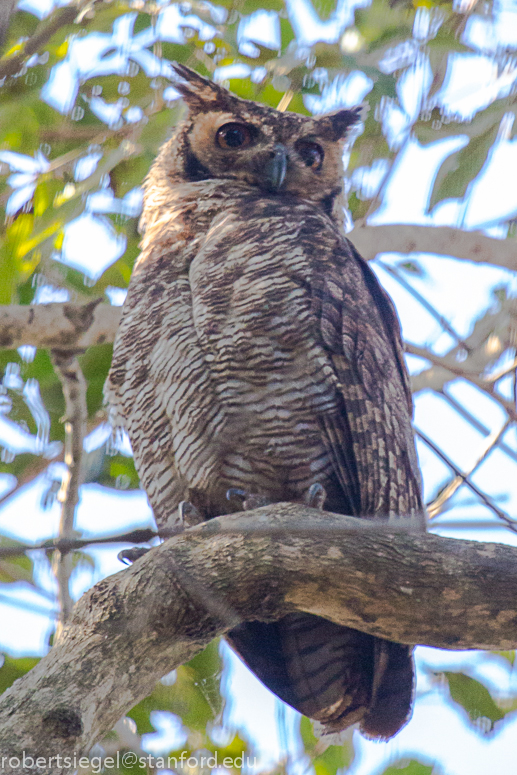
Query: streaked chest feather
x=271 y=380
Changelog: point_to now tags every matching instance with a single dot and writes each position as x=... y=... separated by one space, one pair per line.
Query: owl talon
x=316 y=496
x=249 y=500
x=129 y=556
x=235 y=492
x=255 y=501
x=189 y=515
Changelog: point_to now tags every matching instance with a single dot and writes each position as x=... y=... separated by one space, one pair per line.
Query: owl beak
x=276 y=167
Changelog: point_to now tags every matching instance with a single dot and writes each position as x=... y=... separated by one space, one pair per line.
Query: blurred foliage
x=12 y=669
x=194 y=695
x=381 y=43
x=474 y=698
x=411 y=768
x=325 y=760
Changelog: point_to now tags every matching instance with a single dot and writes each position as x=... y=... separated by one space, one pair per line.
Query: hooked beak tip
x=276 y=168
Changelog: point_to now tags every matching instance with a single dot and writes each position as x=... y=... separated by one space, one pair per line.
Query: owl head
x=228 y=138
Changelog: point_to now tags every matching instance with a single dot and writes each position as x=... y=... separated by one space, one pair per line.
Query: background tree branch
x=7 y=8
x=10 y=65
x=73 y=383
x=443 y=240
x=77 y=325
x=134 y=627
x=58 y=326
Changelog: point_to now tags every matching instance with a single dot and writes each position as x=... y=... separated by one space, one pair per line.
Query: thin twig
x=487 y=385
x=477 y=424
x=423 y=301
x=17 y=603
x=436 y=506
x=65 y=545
x=11 y=65
x=502 y=372
x=146 y=535
x=73 y=382
x=509 y=522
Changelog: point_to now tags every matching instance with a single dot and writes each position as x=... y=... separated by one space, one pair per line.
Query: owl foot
x=316 y=496
x=189 y=515
x=129 y=556
x=249 y=500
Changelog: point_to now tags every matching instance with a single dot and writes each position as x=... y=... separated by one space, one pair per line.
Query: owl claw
x=316 y=496
x=189 y=515
x=129 y=556
x=249 y=500
x=236 y=492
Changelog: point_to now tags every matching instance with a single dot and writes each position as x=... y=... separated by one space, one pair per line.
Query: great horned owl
x=258 y=351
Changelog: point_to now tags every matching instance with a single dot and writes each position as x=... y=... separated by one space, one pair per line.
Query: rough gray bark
x=68 y=326
x=135 y=626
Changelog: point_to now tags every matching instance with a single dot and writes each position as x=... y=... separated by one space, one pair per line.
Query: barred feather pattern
x=257 y=350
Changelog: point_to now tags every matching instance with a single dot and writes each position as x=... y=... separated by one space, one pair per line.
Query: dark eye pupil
x=311 y=155
x=234 y=137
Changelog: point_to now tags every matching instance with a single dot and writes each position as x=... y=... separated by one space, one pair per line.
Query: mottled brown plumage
x=257 y=350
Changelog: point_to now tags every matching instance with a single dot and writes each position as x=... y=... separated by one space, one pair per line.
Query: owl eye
x=234 y=136
x=311 y=154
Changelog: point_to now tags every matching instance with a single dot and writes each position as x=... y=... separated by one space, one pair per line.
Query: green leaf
x=13 y=669
x=195 y=695
x=309 y=739
x=324 y=8
x=409 y=768
x=509 y=655
x=286 y=33
x=15 y=568
x=335 y=757
x=326 y=759
x=473 y=697
x=250 y=6
x=460 y=169
x=412 y=267
x=95 y=364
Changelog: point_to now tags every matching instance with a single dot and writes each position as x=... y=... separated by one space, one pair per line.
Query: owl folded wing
x=370 y=438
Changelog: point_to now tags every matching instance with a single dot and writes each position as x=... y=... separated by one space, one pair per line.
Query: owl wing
x=157 y=381
x=370 y=436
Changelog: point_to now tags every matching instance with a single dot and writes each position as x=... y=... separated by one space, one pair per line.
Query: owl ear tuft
x=335 y=126
x=198 y=92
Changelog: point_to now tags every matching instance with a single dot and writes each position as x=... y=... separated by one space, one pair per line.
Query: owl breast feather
x=253 y=317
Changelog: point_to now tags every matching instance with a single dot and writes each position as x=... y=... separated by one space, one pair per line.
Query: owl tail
x=330 y=673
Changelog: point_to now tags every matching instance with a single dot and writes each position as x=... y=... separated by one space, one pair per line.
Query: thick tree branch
x=442 y=240
x=58 y=326
x=134 y=627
